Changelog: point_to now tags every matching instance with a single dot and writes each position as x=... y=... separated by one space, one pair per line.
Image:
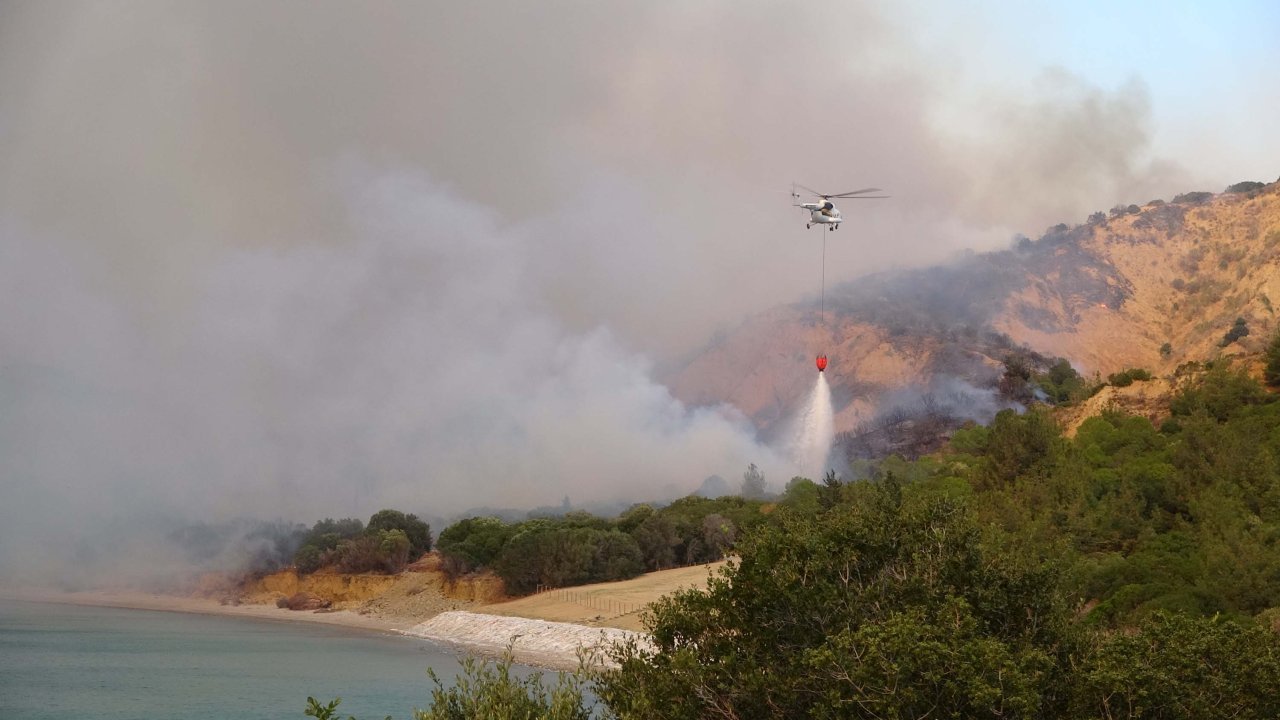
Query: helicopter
x=825 y=212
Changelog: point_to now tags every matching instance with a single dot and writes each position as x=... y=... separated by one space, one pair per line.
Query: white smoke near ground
x=944 y=395
x=417 y=366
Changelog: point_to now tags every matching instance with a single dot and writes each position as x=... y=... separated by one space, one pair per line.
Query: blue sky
x=1209 y=69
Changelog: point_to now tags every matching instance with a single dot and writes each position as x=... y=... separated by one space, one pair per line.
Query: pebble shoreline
x=552 y=645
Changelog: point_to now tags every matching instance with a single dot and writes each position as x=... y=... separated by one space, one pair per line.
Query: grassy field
x=615 y=604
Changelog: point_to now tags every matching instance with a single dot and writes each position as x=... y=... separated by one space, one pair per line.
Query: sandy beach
x=204 y=606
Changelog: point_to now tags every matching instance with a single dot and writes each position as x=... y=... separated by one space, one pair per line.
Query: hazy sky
x=314 y=258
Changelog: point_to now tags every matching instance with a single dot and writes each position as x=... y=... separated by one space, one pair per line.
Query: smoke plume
x=296 y=259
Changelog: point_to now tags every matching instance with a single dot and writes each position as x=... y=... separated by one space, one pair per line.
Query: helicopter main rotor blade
x=866 y=197
x=810 y=190
x=855 y=192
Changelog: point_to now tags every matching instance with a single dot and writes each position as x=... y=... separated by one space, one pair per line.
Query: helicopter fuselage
x=822 y=213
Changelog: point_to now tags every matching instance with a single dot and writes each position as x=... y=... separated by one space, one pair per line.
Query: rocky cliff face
x=1147 y=286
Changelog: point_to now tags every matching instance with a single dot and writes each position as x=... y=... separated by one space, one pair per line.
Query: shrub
x=321 y=542
x=543 y=552
x=1271 y=373
x=394 y=546
x=490 y=689
x=1178 y=666
x=895 y=608
x=359 y=555
x=1245 y=187
x=1222 y=393
x=1061 y=383
x=1193 y=198
x=1238 y=330
x=308 y=559
x=473 y=543
x=1126 y=378
x=417 y=531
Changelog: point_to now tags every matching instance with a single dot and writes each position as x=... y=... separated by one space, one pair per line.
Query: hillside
x=1107 y=294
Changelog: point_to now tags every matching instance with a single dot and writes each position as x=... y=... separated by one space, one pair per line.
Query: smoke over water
x=813 y=431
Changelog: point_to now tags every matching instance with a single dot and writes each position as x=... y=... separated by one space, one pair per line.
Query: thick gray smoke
x=417 y=366
x=297 y=259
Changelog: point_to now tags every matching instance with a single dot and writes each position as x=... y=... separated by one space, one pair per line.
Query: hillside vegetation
x=1137 y=287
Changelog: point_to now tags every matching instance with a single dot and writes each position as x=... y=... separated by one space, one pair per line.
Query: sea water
x=66 y=661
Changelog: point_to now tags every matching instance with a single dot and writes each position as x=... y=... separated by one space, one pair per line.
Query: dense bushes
x=546 y=553
x=473 y=543
x=1247 y=186
x=1062 y=384
x=387 y=544
x=1125 y=378
x=1193 y=198
x=1271 y=373
x=888 y=608
x=579 y=548
x=1238 y=330
x=901 y=606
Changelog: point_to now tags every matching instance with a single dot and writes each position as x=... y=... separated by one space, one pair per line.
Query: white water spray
x=813 y=431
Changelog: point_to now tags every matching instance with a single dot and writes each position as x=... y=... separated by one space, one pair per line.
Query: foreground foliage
x=892 y=606
x=899 y=605
x=490 y=690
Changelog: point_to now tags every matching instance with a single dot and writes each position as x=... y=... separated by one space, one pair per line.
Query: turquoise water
x=65 y=661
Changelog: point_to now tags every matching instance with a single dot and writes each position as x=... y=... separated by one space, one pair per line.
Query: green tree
x=801 y=497
x=321 y=542
x=1222 y=393
x=1271 y=373
x=829 y=493
x=418 y=532
x=473 y=543
x=657 y=539
x=1179 y=667
x=821 y=616
x=1019 y=444
x=558 y=554
x=394 y=546
x=753 y=485
x=308 y=559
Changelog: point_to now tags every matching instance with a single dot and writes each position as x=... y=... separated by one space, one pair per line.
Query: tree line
x=389 y=541
x=579 y=548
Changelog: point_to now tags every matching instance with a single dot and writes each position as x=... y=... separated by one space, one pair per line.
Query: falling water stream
x=813 y=431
